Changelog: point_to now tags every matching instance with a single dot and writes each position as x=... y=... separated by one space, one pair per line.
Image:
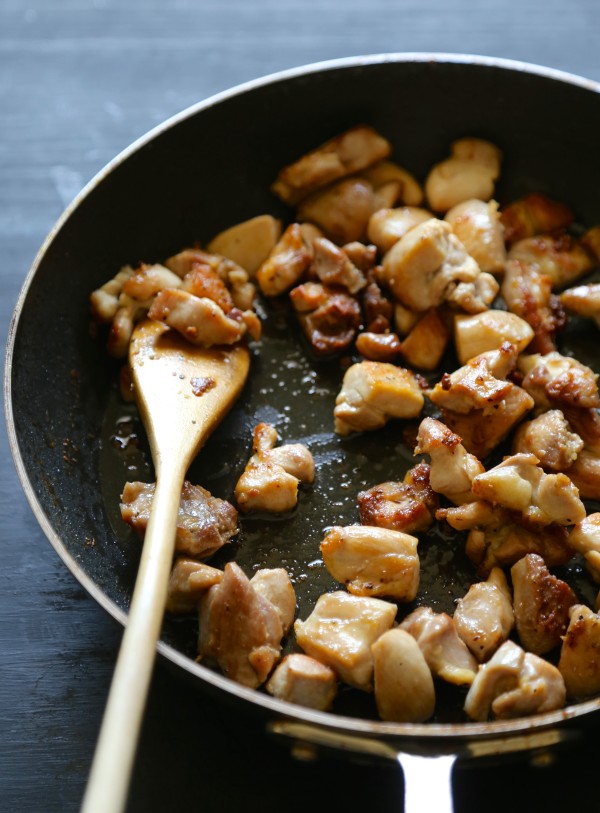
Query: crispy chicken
x=188 y=581
x=408 y=506
x=534 y=214
x=477 y=225
x=550 y=439
x=484 y=617
x=579 y=662
x=329 y=317
x=286 y=264
x=560 y=257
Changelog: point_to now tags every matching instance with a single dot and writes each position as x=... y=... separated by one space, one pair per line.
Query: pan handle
x=427 y=782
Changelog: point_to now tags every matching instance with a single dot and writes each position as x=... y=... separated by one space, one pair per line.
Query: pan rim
x=427 y=731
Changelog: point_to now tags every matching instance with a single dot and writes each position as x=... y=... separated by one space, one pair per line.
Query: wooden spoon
x=182 y=393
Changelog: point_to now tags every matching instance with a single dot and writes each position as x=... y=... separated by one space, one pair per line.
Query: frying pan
x=75 y=443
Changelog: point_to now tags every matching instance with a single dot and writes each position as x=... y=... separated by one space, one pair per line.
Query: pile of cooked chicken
x=399 y=278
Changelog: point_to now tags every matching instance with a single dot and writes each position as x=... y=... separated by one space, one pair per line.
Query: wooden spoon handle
x=113 y=760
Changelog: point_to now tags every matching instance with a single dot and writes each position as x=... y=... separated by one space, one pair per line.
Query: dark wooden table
x=79 y=80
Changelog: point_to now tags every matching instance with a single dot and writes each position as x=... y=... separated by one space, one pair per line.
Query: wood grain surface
x=79 y=81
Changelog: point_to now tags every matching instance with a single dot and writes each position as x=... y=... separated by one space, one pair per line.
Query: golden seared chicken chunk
x=275 y=585
x=248 y=243
x=286 y=264
x=329 y=317
x=199 y=268
x=378 y=307
x=514 y=683
x=200 y=320
x=385 y=173
x=481 y=332
x=426 y=342
x=333 y=266
x=429 y=265
x=484 y=617
x=585 y=539
x=469 y=172
x=579 y=662
x=350 y=152
x=562 y=382
x=188 y=581
x=372 y=561
x=240 y=629
x=270 y=479
x=541 y=604
x=477 y=225
x=583 y=300
x=550 y=439
x=562 y=258
x=408 y=506
x=104 y=301
x=585 y=474
x=148 y=280
x=204 y=524
x=343 y=211
x=387 y=226
x=528 y=294
x=452 y=469
x=534 y=214
x=404 y=689
x=446 y=653
x=374 y=392
x=519 y=484
x=305 y=681
x=340 y=632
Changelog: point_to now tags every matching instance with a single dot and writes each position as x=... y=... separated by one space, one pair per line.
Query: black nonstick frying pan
x=75 y=442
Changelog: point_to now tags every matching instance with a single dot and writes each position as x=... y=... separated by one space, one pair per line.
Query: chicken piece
x=350 y=152
x=445 y=652
x=286 y=264
x=452 y=469
x=481 y=332
x=484 y=616
x=188 y=581
x=205 y=282
x=248 y=243
x=270 y=479
x=583 y=300
x=386 y=172
x=236 y=280
x=550 y=439
x=520 y=484
x=585 y=539
x=148 y=280
x=585 y=474
x=534 y=214
x=372 y=561
x=404 y=689
x=204 y=523
x=469 y=173
x=514 y=683
x=305 y=681
x=122 y=326
x=562 y=258
x=378 y=308
x=429 y=265
x=528 y=294
x=478 y=227
x=361 y=255
x=541 y=604
x=579 y=662
x=329 y=317
x=384 y=347
x=239 y=629
x=104 y=301
x=409 y=506
x=387 y=226
x=275 y=585
x=562 y=382
x=426 y=343
x=199 y=320
x=373 y=392
x=340 y=631
x=343 y=210
x=333 y=266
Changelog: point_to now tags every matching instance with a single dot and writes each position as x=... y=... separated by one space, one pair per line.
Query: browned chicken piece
x=233 y=276
x=188 y=581
x=583 y=300
x=333 y=267
x=514 y=683
x=305 y=681
x=362 y=255
x=426 y=343
x=286 y=264
x=201 y=321
x=562 y=258
x=239 y=629
x=408 y=506
x=579 y=662
x=248 y=243
x=585 y=474
x=585 y=539
x=429 y=266
x=481 y=332
x=528 y=293
x=203 y=281
x=340 y=632
x=477 y=225
x=519 y=484
x=559 y=382
x=534 y=214
x=378 y=308
x=275 y=585
x=550 y=439
x=404 y=689
x=122 y=326
x=387 y=226
x=541 y=604
x=374 y=392
x=329 y=317
x=385 y=347
x=148 y=280
x=104 y=301
x=386 y=172
x=270 y=479
x=204 y=524
x=452 y=469
x=343 y=155
x=343 y=210
x=484 y=617
x=371 y=561
x=445 y=652
x=470 y=172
